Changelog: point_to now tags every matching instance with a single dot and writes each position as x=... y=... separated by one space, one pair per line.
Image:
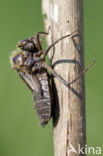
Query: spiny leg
x=82 y=73
x=67 y=84
x=42 y=32
x=46 y=52
x=38 y=36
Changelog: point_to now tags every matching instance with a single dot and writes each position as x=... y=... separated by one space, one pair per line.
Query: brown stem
x=64 y=17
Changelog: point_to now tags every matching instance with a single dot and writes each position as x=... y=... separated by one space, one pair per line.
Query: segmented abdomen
x=39 y=85
x=43 y=103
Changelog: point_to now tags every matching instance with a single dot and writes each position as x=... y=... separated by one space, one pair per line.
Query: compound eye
x=17 y=60
x=23 y=43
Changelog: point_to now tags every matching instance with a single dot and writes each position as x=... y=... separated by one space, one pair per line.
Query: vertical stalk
x=64 y=17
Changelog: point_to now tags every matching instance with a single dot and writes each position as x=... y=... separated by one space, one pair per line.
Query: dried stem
x=65 y=17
